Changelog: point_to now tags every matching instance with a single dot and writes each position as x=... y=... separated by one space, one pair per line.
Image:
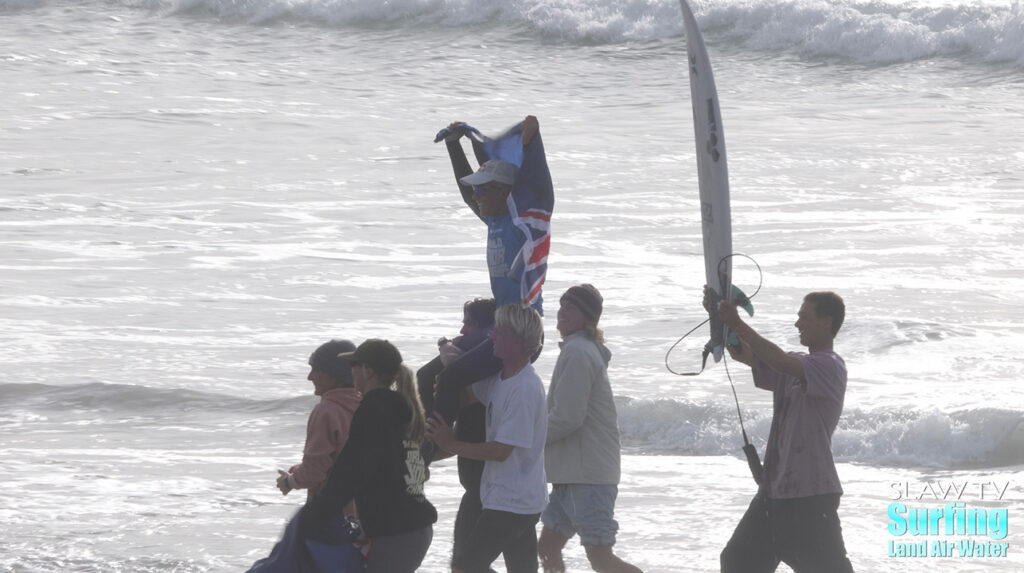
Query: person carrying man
x=513 y=489
x=477 y=323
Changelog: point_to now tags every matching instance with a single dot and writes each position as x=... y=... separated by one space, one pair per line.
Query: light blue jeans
x=586 y=509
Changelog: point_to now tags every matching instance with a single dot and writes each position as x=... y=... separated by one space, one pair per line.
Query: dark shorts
x=498 y=532
x=803 y=533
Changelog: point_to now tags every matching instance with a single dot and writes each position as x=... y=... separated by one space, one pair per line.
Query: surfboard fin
x=743 y=301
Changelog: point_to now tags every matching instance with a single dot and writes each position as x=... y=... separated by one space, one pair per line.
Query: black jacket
x=379 y=468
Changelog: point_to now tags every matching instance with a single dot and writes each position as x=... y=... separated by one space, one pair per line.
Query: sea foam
x=859 y=31
x=895 y=437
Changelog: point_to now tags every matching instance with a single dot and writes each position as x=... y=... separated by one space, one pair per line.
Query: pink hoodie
x=326 y=434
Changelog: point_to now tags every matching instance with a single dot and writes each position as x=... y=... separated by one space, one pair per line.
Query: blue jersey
x=518 y=242
x=505 y=264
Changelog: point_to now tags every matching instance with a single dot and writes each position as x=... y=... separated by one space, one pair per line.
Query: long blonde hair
x=593 y=332
x=405 y=384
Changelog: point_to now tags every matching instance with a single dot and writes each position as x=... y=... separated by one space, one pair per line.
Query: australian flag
x=530 y=202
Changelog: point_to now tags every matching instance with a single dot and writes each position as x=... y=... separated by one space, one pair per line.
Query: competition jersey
x=518 y=242
x=504 y=261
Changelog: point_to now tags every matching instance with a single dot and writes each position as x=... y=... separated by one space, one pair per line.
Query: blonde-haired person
x=581 y=457
x=513 y=490
x=380 y=466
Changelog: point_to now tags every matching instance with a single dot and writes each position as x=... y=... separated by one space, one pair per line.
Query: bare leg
x=603 y=560
x=549 y=547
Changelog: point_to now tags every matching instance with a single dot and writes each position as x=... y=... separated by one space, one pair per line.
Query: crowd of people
x=378 y=427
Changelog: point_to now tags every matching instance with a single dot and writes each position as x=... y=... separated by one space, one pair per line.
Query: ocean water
x=195 y=194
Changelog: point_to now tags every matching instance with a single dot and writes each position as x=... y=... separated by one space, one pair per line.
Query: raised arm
x=534 y=176
x=460 y=164
x=774 y=357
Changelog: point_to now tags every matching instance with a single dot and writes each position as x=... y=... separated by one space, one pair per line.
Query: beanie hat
x=587 y=299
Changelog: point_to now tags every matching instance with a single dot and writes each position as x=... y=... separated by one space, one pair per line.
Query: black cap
x=378 y=354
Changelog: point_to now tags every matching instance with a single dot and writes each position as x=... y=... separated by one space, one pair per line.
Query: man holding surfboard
x=793 y=518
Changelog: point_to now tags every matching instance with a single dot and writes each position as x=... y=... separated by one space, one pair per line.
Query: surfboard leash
x=746 y=301
x=753 y=460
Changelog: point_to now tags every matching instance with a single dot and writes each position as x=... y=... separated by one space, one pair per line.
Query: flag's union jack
x=530 y=202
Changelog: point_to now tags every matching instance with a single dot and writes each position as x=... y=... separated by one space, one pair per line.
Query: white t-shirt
x=516 y=416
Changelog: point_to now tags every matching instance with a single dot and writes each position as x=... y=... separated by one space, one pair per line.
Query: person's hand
x=707 y=298
x=731 y=318
x=439 y=431
x=282 y=482
x=741 y=354
x=455 y=132
x=530 y=128
x=449 y=352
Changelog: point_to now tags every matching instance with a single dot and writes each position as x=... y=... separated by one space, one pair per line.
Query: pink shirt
x=798 y=457
x=326 y=434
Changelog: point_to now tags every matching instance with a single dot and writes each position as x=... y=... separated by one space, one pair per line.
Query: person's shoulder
x=528 y=373
x=377 y=399
x=483 y=388
x=520 y=382
x=530 y=380
x=825 y=357
x=824 y=363
x=346 y=398
x=489 y=381
x=578 y=342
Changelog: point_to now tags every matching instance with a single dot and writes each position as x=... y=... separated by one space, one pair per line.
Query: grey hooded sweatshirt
x=583 y=431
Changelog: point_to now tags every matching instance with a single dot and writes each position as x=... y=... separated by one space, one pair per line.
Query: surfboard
x=713 y=176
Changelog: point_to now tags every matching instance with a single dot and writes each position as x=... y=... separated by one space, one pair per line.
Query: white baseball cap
x=493 y=170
